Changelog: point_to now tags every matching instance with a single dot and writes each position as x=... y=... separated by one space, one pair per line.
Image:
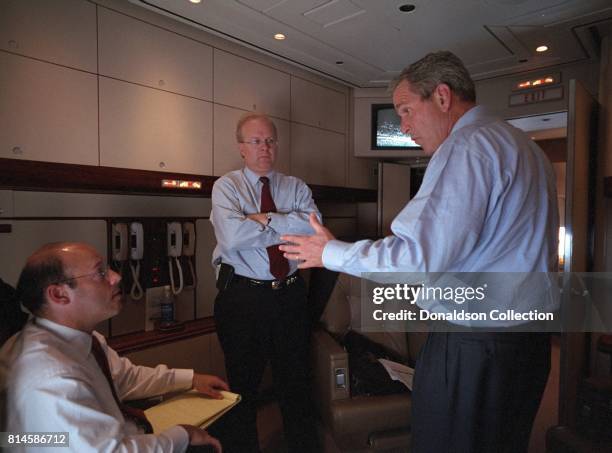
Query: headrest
x=336 y=318
x=13 y=319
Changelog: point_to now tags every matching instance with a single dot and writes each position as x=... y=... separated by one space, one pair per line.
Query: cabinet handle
x=162 y=164
x=13 y=44
x=161 y=83
x=17 y=150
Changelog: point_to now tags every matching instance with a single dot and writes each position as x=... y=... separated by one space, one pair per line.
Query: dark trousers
x=478 y=392
x=256 y=326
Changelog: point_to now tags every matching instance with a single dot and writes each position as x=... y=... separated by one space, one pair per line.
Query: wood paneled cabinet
x=226 y=153
x=47 y=112
x=149 y=129
x=318 y=106
x=60 y=31
x=251 y=86
x=135 y=51
x=318 y=156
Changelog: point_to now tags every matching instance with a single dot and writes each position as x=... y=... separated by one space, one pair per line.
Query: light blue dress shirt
x=241 y=241
x=487 y=203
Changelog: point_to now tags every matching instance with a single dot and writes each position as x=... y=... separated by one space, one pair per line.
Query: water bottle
x=167 y=307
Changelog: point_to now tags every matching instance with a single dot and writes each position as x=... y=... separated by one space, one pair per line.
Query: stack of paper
x=399 y=372
x=190 y=408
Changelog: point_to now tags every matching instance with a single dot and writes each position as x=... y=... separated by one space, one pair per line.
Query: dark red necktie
x=136 y=415
x=279 y=266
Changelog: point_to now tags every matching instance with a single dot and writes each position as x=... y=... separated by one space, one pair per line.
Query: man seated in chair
x=61 y=376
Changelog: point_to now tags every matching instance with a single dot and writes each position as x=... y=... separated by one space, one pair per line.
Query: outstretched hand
x=307 y=249
x=209 y=385
x=198 y=436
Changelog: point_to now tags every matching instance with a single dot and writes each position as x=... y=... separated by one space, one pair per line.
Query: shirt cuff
x=333 y=254
x=179 y=438
x=278 y=222
x=183 y=378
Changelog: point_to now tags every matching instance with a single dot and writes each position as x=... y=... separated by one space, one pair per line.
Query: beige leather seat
x=357 y=423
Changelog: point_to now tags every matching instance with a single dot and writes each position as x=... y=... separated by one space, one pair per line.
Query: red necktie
x=136 y=415
x=279 y=266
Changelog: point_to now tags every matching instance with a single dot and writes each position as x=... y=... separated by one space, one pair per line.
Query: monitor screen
x=386 y=133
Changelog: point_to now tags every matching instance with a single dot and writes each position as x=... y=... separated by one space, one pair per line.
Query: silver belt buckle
x=276 y=284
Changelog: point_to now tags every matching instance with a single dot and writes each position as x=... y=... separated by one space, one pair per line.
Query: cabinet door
x=251 y=86
x=154 y=130
x=318 y=156
x=59 y=31
x=317 y=106
x=226 y=153
x=47 y=112
x=138 y=52
x=28 y=235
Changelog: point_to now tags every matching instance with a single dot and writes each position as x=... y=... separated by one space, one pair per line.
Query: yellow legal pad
x=190 y=408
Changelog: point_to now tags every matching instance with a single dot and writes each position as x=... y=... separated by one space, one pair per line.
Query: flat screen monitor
x=386 y=133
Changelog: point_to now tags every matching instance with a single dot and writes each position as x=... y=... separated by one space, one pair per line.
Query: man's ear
x=443 y=97
x=57 y=294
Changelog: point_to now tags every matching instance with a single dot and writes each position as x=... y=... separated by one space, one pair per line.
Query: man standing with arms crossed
x=487 y=204
x=260 y=310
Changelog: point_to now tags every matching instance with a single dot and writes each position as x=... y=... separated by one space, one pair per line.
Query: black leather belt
x=271 y=284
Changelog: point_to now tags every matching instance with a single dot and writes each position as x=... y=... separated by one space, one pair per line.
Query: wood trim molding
x=608 y=186
x=20 y=174
x=33 y=175
x=137 y=341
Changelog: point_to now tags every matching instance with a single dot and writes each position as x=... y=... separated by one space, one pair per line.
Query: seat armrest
x=330 y=369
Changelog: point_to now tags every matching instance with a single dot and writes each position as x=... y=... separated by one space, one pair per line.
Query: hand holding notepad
x=190 y=408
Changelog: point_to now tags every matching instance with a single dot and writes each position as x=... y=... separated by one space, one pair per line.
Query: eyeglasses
x=101 y=274
x=258 y=141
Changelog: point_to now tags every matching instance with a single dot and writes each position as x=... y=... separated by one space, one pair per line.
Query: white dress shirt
x=54 y=384
x=487 y=203
x=242 y=242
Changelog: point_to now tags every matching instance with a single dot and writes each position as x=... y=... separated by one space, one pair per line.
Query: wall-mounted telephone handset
x=175 y=239
x=189 y=242
x=136 y=252
x=189 y=238
x=136 y=240
x=120 y=242
x=175 y=247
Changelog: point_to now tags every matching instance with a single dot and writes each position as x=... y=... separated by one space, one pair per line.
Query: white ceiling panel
x=375 y=40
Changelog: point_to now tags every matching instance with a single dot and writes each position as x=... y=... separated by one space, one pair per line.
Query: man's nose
x=405 y=127
x=113 y=277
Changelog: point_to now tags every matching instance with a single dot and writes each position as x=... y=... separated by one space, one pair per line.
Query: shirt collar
x=470 y=117
x=253 y=177
x=79 y=340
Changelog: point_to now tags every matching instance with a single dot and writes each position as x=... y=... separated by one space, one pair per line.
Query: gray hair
x=435 y=68
x=250 y=117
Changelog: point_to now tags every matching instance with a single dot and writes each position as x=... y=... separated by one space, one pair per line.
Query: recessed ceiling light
x=541 y=48
x=407 y=8
x=279 y=36
x=195 y=1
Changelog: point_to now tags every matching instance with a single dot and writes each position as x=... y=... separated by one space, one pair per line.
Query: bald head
x=48 y=265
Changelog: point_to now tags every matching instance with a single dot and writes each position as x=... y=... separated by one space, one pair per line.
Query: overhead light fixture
x=541 y=48
x=534 y=83
x=407 y=8
x=279 y=36
x=195 y=1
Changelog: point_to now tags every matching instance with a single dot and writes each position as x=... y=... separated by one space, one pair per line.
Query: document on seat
x=190 y=408
x=399 y=372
